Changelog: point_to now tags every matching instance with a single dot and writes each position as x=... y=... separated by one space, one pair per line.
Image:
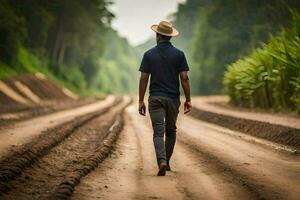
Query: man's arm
x=187 y=91
x=142 y=90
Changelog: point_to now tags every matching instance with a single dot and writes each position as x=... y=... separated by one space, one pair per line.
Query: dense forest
x=70 y=41
x=215 y=33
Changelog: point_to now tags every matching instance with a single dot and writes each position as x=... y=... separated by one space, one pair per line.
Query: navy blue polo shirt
x=164 y=62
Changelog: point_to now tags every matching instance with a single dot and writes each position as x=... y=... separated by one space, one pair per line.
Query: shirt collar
x=164 y=43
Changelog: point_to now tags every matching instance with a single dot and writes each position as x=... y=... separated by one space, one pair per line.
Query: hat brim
x=173 y=34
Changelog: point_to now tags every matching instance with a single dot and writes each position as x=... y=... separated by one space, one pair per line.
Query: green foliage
x=270 y=76
x=66 y=40
x=12 y=31
x=118 y=73
x=6 y=71
x=186 y=20
x=74 y=77
x=215 y=33
x=24 y=62
x=27 y=62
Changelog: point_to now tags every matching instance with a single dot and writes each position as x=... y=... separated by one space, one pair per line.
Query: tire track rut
x=209 y=162
x=131 y=172
x=14 y=163
x=42 y=180
x=266 y=172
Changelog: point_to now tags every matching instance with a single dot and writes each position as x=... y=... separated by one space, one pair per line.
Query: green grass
x=6 y=71
x=25 y=62
x=28 y=63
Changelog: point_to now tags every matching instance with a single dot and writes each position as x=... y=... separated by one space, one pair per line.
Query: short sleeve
x=145 y=65
x=183 y=66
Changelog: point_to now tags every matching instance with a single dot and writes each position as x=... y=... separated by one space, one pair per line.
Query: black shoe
x=162 y=169
x=168 y=168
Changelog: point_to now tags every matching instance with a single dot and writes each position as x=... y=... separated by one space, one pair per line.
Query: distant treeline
x=215 y=33
x=119 y=64
x=66 y=40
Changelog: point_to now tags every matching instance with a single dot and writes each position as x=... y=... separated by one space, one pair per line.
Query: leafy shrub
x=27 y=62
x=6 y=71
x=270 y=76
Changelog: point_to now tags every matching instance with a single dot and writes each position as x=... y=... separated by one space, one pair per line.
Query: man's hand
x=142 y=108
x=186 y=88
x=187 y=106
x=142 y=89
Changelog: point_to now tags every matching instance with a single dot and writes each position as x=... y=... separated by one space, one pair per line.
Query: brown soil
x=42 y=87
x=227 y=105
x=56 y=172
x=272 y=132
x=209 y=162
x=43 y=91
x=5 y=100
x=212 y=104
x=15 y=112
x=265 y=172
x=16 y=135
x=23 y=156
x=279 y=128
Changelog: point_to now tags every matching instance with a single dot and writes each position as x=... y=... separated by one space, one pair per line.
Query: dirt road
x=68 y=160
x=209 y=162
x=13 y=136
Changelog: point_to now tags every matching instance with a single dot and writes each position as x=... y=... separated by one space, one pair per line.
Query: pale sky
x=134 y=17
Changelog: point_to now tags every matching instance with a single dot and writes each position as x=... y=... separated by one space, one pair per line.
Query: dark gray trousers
x=163 y=112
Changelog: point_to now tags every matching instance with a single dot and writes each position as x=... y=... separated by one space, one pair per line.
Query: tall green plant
x=270 y=76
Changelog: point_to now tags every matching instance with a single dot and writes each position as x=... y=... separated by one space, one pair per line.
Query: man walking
x=165 y=64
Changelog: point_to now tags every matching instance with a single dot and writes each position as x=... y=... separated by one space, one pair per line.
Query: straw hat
x=165 y=28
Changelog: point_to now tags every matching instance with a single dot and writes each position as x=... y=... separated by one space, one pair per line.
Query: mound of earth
x=280 y=128
x=30 y=90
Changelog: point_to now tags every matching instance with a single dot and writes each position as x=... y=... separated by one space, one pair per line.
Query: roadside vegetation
x=270 y=76
x=65 y=40
x=73 y=43
x=216 y=33
x=253 y=44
